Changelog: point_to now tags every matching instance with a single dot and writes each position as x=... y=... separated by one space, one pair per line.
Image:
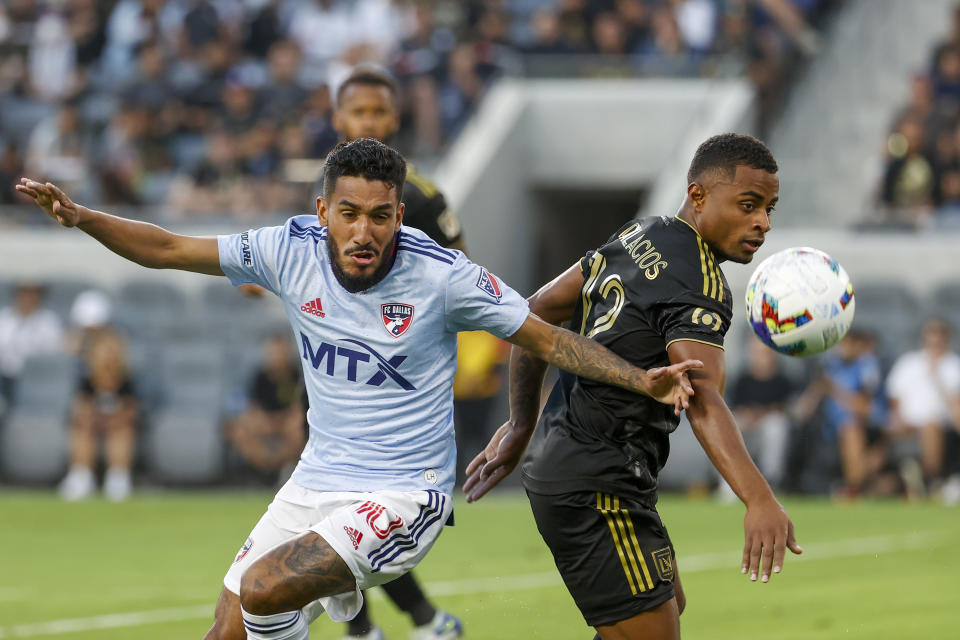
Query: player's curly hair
x=726 y=151
x=364 y=158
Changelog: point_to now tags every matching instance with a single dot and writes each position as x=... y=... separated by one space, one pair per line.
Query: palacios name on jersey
x=644 y=254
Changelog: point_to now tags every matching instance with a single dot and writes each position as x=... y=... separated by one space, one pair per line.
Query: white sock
x=279 y=626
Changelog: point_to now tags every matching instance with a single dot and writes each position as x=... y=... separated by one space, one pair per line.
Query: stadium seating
x=185 y=446
x=34 y=439
x=890 y=311
x=946 y=303
x=33 y=446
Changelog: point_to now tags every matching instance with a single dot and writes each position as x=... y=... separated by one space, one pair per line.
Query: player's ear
x=400 y=210
x=337 y=121
x=322 y=210
x=696 y=194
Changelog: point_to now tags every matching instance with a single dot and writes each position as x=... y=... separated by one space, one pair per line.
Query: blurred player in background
x=377 y=309
x=654 y=294
x=367 y=108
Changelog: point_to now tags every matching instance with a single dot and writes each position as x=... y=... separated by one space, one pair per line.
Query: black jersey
x=655 y=281
x=426 y=210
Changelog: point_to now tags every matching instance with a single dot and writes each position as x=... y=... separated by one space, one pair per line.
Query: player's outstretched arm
x=768 y=530
x=589 y=359
x=146 y=244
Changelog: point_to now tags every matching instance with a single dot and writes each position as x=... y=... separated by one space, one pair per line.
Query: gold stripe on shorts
x=609 y=506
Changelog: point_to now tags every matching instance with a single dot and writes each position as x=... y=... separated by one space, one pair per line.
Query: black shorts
x=613 y=554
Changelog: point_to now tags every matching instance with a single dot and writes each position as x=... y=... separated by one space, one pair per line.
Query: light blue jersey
x=378 y=364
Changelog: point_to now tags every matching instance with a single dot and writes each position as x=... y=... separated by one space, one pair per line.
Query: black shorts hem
x=636 y=608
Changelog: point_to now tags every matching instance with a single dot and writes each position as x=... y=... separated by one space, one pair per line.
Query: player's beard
x=356 y=284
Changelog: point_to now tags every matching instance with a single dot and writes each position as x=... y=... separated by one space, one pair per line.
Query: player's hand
x=670 y=385
x=51 y=199
x=768 y=533
x=501 y=456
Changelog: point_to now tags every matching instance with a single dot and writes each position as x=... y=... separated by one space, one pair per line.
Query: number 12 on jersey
x=610 y=291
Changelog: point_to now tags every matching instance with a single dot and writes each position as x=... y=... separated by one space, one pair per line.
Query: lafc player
x=654 y=294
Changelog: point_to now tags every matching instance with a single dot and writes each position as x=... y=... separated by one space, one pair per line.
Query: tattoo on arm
x=590 y=359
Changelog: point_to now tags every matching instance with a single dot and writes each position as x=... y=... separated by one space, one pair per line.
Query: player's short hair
x=364 y=158
x=369 y=74
x=726 y=151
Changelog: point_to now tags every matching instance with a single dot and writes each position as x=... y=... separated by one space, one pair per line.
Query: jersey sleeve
x=692 y=316
x=477 y=299
x=254 y=256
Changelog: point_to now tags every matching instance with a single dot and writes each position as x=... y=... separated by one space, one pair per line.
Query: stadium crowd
x=856 y=421
x=200 y=107
x=921 y=177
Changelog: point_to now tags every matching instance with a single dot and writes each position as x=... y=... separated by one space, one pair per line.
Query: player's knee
x=255 y=593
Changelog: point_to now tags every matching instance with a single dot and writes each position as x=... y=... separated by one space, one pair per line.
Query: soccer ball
x=800 y=301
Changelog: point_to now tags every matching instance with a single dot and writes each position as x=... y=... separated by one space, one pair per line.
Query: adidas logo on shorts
x=355 y=536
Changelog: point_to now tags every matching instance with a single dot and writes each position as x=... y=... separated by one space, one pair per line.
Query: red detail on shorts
x=355 y=536
x=373 y=511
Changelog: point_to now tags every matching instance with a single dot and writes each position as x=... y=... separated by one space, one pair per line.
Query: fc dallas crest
x=396 y=317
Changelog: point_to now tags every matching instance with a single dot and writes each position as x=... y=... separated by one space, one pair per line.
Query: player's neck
x=687 y=214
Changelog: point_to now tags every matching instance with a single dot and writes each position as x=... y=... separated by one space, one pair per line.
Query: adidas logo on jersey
x=355 y=537
x=314 y=307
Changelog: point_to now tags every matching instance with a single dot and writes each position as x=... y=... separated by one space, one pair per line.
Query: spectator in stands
x=181 y=60
x=697 y=23
x=418 y=65
x=270 y=435
x=123 y=175
x=851 y=390
x=26 y=329
x=924 y=393
x=105 y=409
x=52 y=59
x=946 y=76
x=949 y=195
x=91 y=316
x=11 y=168
x=759 y=399
x=217 y=184
x=283 y=96
x=547 y=34
x=59 y=149
x=908 y=183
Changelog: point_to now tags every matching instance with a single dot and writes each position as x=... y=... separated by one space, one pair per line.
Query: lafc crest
x=663 y=561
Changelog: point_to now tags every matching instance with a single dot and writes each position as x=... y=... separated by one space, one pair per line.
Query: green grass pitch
x=151 y=569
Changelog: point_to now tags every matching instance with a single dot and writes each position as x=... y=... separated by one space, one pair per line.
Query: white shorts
x=380 y=535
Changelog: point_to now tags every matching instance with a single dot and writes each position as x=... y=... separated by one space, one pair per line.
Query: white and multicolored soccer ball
x=800 y=301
